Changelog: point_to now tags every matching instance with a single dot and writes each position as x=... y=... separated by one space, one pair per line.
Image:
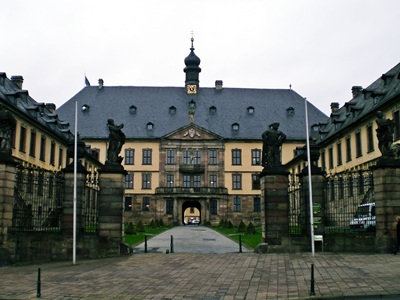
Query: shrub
x=130 y=229
x=229 y=225
x=242 y=227
x=140 y=227
x=152 y=224
x=161 y=223
x=221 y=223
x=250 y=229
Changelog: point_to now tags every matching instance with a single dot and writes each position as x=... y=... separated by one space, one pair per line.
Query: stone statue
x=272 y=142
x=117 y=140
x=7 y=127
x=385 y=132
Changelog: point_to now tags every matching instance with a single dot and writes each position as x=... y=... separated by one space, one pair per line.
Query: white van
x=364 y=219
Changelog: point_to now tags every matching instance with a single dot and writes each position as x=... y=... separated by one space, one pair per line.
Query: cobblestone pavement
x=207 y=276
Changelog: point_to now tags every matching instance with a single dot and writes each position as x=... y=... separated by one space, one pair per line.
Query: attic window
x=85 y=108
x=132 y=109
x=250 y=110
x=150 y=126
x=315 y=127
x=192 y=104
x=235 y=126
x=213 y=110
x=290 y=111
x=172 y=110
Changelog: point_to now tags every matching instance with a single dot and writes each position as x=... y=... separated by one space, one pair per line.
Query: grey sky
x=322 y=48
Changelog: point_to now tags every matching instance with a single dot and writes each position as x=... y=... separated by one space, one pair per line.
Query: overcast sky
x=321 y=48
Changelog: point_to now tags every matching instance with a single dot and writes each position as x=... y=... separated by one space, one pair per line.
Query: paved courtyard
x=207 y=276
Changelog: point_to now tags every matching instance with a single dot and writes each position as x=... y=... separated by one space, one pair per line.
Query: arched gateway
x=191 y=213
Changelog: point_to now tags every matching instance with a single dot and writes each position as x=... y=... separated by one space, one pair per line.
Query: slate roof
x=368 y=101
x=40 y=114
x=153 y=106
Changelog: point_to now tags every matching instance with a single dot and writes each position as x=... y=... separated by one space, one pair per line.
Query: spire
x=192 y=70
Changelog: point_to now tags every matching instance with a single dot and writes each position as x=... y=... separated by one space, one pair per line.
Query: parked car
x=364 y=218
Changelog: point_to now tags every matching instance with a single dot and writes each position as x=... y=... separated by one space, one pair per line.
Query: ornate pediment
x=192 y=132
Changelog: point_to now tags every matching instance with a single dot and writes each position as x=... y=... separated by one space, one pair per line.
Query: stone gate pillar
x=67 y=221
x=111 y=196
x=275 y=208
x=8 y=171
x=387 y=202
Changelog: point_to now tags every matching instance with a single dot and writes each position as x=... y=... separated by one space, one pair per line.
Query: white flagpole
x=75 y=175
x=310 y=183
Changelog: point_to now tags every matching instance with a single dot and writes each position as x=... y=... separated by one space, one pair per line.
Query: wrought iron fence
x=296 y=218
x=90 y=203
x=345 y=192
x=38 y=198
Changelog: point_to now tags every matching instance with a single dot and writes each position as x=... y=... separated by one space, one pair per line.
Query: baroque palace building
x=192 y=153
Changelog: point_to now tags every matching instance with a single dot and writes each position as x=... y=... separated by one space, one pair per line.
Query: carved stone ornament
x=191 y=133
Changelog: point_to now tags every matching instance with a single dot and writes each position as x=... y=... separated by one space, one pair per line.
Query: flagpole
x=310 y=183
x=75 y=175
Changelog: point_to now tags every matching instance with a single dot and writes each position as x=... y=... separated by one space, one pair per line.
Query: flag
x=87 y=81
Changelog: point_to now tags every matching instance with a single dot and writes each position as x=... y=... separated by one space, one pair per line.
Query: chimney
x=101 y=83
x=18 y=81
x=51 y=107
x=218 y=85
x=356 y=90
x=334 y=106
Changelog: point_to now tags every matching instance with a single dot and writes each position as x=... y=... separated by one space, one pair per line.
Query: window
x=186 y=180
x=60 y=157
x=170 y=156
x=196 y=180
x=129 y=156
x=236 y=181
x=339 y=153
x=235 y=126
x=132 y=109
x=129 y=180
x=370 y=138
x=22 y=139
x=257 y=204
x=52 y=153
x=358 y=144
x=128 y=204
x=146 y=156
x=323 y=161
x=170 y=180
x=213 y=156
x=396 y=119
x=213 y=206
x=192 y=181
x=146 y=181
x=213 y=181
x=172 y=110
x=213 y=110
x=236 y=204
x=42 y=156
x=150 y=126
x=255 y=179
x=250 y=110
x=348 y=149
x=191 y=157
x=330 y=153
x=341 y=187
x=40 y=184
x=255 y=157
x=236 y=157
x=169 y=206
x=32 y=147
x=146 y=203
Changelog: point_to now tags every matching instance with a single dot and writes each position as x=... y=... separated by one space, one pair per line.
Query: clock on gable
x=191 y=89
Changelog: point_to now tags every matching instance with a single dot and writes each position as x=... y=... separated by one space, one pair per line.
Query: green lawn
x=138 y=238
x=248 y=240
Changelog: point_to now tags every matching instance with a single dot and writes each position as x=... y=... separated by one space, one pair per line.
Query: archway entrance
x=191 y=213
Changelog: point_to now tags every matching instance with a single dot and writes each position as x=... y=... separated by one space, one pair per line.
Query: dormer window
x=290 y=111
x=315 y=127
x=172 y=110
x=250 y=110
x=85 y=108
x=235 y=126
x=150 y=126
x=132 y=109
x=192 y=104
x=213 y=110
